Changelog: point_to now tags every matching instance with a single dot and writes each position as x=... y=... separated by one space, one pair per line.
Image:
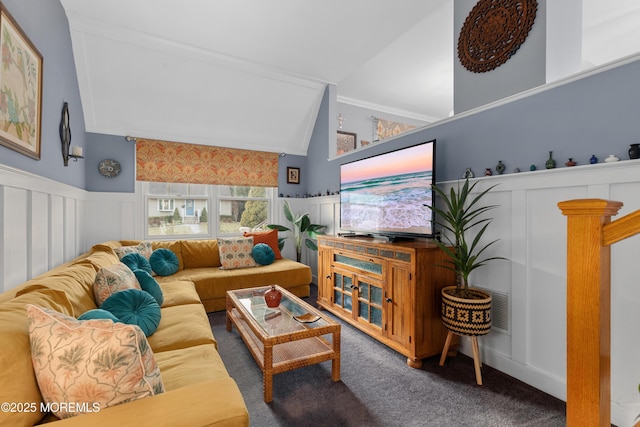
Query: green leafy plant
x=302 y=230
x=461 y=217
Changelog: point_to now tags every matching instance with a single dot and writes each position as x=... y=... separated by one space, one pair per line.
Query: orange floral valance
x=164 y=161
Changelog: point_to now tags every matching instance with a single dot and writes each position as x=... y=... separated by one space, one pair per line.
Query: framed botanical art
x=346 y=142
x=293 y=175
x=20 y=89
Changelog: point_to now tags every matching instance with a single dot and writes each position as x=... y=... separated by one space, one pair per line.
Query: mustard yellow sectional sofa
x=198 y=391
x=200 y=263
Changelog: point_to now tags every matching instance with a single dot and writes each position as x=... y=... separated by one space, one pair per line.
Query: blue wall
x=524 y=70
x=46 y=25
x=598 y=114
x=101 y=147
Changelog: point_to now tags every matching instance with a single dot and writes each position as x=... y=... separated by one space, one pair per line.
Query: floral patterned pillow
x=235 y=252
x=110 y=280
x=90 y=363
x=143 y=248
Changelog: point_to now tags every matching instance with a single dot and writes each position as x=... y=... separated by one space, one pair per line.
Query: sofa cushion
x=143 y=248
x=179 y=292
x=134 y=307
x=76 y=280
x=101 y=256
x=98 y=313
x=164 y=262
x=183 y=367
x=200 y=253
x=149 y=285
x=17 y=378
x=235 y=252
x=182 y=326
x=110 y=280
x=91 y=361
x=263 y=254
x=135 y=261
x=269 y=237
x=215 y=282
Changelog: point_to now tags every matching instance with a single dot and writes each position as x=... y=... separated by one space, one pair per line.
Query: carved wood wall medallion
x=493 y=31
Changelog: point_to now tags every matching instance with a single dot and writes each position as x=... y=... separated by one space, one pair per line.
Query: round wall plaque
x=109 y=168
x=493 y=31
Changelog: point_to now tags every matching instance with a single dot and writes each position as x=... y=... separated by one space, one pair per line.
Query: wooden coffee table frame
x=285 y=351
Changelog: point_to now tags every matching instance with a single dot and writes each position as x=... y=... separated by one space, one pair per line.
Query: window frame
x=213 y=199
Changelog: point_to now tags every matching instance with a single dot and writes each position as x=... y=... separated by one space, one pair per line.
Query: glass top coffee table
x=281 y=339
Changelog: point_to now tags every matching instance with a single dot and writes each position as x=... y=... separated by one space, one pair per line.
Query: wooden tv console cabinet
x=389 y=290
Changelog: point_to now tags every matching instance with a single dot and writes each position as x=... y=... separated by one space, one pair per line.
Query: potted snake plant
x=465 y=310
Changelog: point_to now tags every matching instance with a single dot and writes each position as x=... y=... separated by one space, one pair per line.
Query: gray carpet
x=377 y=388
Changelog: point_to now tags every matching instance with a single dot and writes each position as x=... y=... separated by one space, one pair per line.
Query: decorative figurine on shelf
x=500 y=167
x=593 y=160
x=550 y=163
x=532 y=168
x=488 y=172
x=570 y=162
x=468 y=173
x=634 y=151
x=612 y=158
x=516 y=170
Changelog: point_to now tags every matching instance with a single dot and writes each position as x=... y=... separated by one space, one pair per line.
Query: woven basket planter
x=466 y=316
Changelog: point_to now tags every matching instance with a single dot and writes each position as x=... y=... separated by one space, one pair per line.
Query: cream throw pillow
x=235 y=252
x=112 y=279
x=143 y=248
x=90 y=362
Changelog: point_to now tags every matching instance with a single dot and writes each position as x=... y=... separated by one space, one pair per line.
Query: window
x=174 y=210
x=166 y=205
x=242 y=209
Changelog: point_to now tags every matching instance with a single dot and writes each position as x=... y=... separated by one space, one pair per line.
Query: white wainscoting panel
x=531 y=229
x=39 y=224
x=39 y=236
x=56 y=241
x=118 y=217
x=15 y=242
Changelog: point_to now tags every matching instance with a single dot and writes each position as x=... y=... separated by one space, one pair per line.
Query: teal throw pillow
x=263 y=254
x=98 y=313
x=134 y=307
x=164 y=262
x=150 y=285
x=136 y=261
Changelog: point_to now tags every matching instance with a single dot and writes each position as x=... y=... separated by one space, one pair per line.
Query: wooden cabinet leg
x=447 y=342
x=414 y=363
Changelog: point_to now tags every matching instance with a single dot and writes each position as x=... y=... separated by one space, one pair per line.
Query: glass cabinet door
x=343 y=290
x=370 y=301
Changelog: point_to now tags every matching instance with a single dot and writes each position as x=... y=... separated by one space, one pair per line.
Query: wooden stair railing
x=590 y=234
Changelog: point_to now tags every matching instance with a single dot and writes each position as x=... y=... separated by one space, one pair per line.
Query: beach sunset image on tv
x=388 y=193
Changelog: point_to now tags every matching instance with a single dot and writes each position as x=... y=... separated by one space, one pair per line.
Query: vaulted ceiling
x=251 y=73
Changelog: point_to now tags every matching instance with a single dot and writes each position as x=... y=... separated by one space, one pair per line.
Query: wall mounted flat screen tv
x=385 y=195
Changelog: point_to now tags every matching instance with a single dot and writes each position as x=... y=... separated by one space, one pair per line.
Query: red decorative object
x=272 y=297
x=493 y=31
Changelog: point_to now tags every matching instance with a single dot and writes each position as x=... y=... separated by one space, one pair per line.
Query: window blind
x=164 y=161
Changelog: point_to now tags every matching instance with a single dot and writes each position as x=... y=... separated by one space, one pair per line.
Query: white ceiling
x=251 y=73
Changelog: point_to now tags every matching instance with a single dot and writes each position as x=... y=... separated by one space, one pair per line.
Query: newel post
x=588 y=312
